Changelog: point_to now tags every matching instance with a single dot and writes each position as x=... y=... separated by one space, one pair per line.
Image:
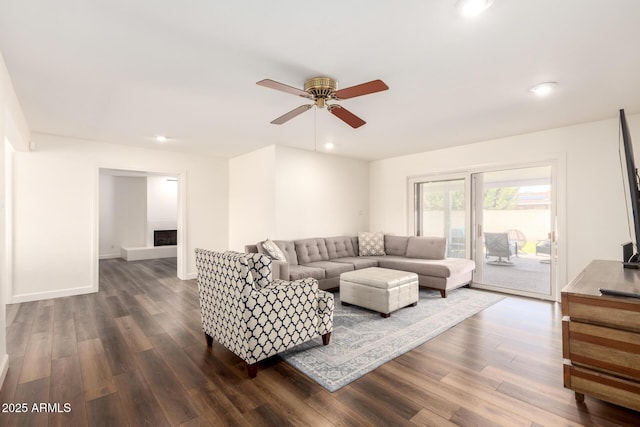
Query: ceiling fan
x=323 y=89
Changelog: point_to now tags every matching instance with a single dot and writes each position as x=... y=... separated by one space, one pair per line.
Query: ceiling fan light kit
x=323 y=89
x=543 y=89
x=469 y=8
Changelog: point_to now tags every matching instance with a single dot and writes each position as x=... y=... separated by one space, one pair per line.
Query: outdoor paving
x=526 y=272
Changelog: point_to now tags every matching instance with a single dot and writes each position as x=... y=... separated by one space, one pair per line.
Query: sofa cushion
x=297 y=272
x=427 y=247
x=370 y=243
x=273 y=251
x=339 y=247
x=395 y=245
x=289 y=250
x=358 y=262
x=331 y=269
x=427 y=267
x=310 y=250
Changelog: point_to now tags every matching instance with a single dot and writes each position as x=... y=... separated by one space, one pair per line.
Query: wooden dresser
x=601 y=335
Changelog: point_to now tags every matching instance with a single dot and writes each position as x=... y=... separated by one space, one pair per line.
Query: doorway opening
x=134 y=208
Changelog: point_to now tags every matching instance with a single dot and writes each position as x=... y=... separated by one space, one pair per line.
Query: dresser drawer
x=611 y=350
x=602 y=386
x=609 y=311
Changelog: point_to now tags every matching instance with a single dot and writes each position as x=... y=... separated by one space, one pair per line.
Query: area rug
x=362 y=340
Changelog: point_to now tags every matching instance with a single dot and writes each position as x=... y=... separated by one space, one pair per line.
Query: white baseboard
x=36 y=296
x=4 y=367
x=110 y=256
x=191 y=276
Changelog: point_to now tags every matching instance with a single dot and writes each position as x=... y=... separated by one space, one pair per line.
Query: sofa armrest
x=279 y=270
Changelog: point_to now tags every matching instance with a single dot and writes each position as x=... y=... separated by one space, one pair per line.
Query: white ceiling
x=123 y=71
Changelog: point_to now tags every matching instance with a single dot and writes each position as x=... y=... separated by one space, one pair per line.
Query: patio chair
x=498 y=245
x=517 y=238
x=543 y=247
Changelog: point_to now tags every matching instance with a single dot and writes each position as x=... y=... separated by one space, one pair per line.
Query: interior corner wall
x=596 y=220
x=56 y=208
x=287 y=193
x=123 y=214
x=319 y=195
x=252 y=198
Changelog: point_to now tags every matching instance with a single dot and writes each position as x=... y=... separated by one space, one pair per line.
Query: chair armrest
x=282 y=284
x=326 y=306
x=282 y=307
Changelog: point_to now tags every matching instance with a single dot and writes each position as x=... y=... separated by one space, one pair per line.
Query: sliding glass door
x=503 y=219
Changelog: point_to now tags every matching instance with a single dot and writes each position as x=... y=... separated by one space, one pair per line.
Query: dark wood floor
x=134 y=354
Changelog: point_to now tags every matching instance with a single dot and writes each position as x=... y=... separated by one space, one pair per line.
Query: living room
x=50 y=178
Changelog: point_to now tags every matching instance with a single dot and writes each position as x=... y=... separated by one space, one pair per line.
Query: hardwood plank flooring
x=134 y=354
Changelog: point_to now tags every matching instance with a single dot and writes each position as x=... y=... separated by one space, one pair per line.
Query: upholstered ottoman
x=380 y=289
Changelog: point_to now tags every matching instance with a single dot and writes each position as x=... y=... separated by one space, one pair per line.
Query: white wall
x=320 y=195
x=252 y=198
x=56 y=210
x=14 y=135
x=130 y=205
x=4 y=279
x=109 y=247
x=287 y=193
x=596 y=222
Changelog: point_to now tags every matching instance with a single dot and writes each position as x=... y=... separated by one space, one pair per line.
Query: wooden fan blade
x=346 y=116
x=361 y=89
x=271 y=84
x=291 y=114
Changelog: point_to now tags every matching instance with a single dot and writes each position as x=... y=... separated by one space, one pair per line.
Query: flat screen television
x=634 y=189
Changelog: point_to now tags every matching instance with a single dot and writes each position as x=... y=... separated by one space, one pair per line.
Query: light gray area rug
x=362 y=340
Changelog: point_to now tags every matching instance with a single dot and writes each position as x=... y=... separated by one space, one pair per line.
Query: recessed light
x=161 y=138
x=329 y=145
x=469 y=8
x=543 y=89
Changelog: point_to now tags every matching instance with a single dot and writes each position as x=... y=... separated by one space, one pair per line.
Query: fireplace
x=165 y=237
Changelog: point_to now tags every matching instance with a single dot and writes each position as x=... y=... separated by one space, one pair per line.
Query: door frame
x=412 y=219
x=181 y=258
x=558 y=163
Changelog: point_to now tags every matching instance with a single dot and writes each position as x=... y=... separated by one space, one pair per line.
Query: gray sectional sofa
x=326 y=258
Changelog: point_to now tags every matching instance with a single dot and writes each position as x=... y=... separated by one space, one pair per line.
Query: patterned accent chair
x=254 y=316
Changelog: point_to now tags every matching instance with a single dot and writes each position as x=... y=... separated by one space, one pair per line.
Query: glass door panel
x=513 y=220
x=440 y=211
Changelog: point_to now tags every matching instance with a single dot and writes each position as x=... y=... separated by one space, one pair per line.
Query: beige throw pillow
x=273 y=250
x=371 y=244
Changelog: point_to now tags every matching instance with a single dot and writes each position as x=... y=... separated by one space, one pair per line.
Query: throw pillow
x=370 y=243
x=273 y=250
